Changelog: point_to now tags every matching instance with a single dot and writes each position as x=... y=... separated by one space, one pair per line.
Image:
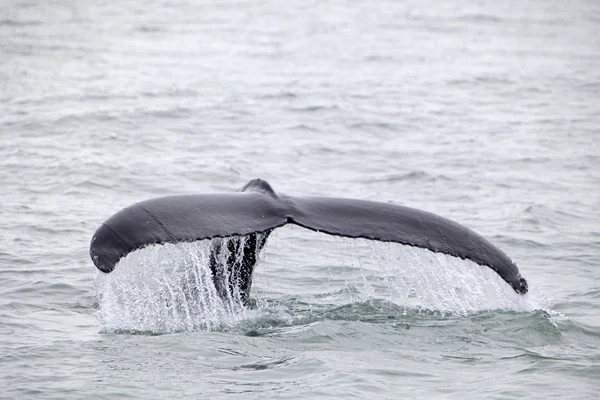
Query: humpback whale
x=256 y=209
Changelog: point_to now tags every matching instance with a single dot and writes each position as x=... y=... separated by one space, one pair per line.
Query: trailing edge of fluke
x=256 y=208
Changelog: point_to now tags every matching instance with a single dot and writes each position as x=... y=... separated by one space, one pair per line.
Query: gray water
x=486 y=112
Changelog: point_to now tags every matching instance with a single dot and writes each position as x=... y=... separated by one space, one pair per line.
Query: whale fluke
x=258 y=209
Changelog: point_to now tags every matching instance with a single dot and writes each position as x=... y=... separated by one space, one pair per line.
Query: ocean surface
x=485 y=112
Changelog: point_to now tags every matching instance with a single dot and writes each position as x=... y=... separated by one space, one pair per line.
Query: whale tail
x=243 y=220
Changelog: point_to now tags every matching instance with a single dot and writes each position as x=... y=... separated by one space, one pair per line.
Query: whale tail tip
x=523 y=286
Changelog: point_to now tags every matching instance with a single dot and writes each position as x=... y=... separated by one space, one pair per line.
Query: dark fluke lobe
x=257 y=208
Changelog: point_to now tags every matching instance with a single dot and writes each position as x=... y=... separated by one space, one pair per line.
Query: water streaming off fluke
x=170 y=288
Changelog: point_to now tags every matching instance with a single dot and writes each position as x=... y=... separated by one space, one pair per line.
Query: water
x=486 y=113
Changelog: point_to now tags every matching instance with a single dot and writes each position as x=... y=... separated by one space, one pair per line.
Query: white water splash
x=170 y=288
x=167 y=288
x=419 y=278
x=359 y=270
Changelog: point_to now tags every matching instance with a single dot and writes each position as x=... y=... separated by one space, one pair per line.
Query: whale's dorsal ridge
x=259 y=185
